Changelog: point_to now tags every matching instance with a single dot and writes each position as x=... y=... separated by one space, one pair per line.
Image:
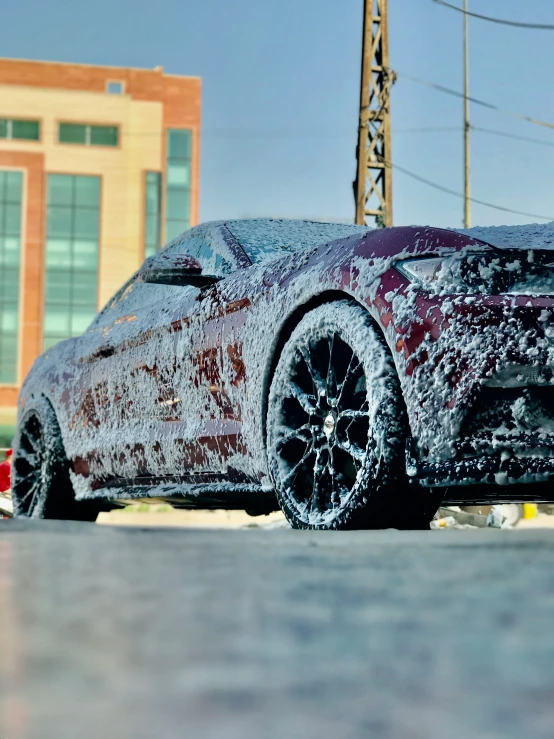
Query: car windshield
x=264 y=238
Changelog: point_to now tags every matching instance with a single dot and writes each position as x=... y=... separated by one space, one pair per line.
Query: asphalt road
x=239 y=634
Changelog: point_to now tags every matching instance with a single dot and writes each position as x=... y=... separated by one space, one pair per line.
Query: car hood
x=527 y=236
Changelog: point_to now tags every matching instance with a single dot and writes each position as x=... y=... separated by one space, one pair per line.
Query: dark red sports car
x=352 y=377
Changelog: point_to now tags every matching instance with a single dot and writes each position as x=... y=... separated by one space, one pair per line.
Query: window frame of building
x=66 y=235
x=152 y=215
x=11 y=275
x=88 y=130
x=9 y=122
x=115 y=87
x=173 y=226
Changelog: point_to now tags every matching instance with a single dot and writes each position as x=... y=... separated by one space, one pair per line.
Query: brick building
x=99 y=166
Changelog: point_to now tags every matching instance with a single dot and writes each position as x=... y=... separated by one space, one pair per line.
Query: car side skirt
x=210 y=494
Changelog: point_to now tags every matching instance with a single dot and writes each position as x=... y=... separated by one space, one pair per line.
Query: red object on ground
x=6 y=473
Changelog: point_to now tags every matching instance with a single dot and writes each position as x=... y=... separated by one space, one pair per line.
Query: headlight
x=507 y=272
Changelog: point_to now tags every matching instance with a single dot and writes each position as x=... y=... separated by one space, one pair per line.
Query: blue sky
x=280 y=96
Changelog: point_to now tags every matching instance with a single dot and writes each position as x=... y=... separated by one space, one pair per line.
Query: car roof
x=526 y=236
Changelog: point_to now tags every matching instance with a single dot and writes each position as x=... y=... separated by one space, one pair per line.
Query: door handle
x=101 y=353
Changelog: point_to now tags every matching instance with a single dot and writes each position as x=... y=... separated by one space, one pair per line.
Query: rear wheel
x=41 y=486
x=336 y=427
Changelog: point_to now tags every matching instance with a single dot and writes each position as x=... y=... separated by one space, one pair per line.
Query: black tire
x=41 y=486
x=336 y=427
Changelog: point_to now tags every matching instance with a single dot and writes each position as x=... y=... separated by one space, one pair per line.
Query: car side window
x=188 y=243
x=212 y=261
x=206 y=244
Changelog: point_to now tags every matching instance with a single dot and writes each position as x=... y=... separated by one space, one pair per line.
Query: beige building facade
x=99 y=166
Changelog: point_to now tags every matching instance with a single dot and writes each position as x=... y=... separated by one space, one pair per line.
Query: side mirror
x=175 y=269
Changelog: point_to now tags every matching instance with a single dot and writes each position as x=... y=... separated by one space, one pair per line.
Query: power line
x=512 y=136
x=480 y=129
x=447 y=190
x=518 y=24
x=426 y=129
x=300 y=133
x=484 y=104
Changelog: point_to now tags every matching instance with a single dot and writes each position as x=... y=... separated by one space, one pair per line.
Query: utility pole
x=373 y=184
x=467 y=203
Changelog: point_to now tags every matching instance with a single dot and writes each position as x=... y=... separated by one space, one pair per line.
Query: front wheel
x=336 y=426
x=41 y=486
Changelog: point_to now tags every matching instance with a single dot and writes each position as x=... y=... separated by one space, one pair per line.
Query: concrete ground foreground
x=133 y=632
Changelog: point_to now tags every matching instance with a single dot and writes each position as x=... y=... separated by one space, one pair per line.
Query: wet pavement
x=133 y=632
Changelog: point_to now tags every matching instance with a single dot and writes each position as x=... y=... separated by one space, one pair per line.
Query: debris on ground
x=454 y=517
x=6 y=506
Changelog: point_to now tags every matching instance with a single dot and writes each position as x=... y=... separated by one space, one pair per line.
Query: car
x=353 y=377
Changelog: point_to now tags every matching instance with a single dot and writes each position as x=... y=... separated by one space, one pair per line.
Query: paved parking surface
x=132 y=633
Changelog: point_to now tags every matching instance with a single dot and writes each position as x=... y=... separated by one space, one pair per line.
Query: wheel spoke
x=331 y=379
x=294 y=471
x=353 y=414
x=318 y=382
x=319 y=470
x=307 y=402
x=353 y=366
x=32 y=491
x=359 y=455
x=21 y=478
x=31 y=458
x=335 y=495
x=298 y=434
x=33 y=503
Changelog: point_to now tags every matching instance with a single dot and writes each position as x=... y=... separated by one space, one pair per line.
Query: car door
x=204 y=440
x=156 y=377
x=219 y=370
x=130 y=371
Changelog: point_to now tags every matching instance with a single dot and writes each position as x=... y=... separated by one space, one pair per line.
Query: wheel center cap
x=329 y=425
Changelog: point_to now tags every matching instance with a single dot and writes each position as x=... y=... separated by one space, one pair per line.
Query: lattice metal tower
x=373 y=184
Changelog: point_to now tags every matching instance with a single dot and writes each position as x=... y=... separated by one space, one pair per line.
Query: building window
x=19 y=129
x=114 y=88
x=11 y=193
x=72 y=239
x=152 y=213
x=82 y=133
x=177 y=203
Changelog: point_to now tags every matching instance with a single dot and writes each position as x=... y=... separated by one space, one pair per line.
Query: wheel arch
x=36 y=398
x=288 y=326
